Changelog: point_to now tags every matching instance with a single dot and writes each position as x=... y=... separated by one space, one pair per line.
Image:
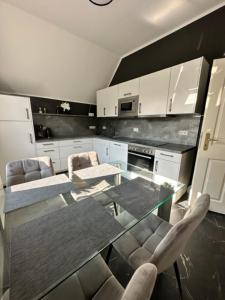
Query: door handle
x=207 y=140
x=104 y=111
x=115 y=110
x=127 y=94
x=156 y=166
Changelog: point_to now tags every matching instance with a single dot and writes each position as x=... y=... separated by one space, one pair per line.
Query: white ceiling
x=121 y=26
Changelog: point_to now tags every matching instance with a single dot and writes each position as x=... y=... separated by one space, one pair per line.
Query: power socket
x=135 y=129
x=183 y=132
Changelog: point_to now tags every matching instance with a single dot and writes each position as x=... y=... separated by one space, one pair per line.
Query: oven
x=128 y=107
x=142 y=160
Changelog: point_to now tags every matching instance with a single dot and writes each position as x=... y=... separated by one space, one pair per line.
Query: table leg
x=117 y=179
x=164 y=210
x=109 y=254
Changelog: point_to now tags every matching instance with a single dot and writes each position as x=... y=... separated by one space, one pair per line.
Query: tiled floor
x=202 y=264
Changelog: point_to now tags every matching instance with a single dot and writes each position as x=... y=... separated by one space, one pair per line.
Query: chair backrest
x=172 y=245
x=141 y=284
x=20 y=171
x=81 y=161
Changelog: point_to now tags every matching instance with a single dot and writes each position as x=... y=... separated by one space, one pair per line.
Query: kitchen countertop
x=177 y=148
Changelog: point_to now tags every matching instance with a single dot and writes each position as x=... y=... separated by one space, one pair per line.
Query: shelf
x=61 y=115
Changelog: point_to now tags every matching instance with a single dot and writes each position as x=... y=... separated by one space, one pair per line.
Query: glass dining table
x=58 y=235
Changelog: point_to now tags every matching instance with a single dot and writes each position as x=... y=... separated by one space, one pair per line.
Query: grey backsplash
x=164 y=129
x=66 y=126
x=160 y=129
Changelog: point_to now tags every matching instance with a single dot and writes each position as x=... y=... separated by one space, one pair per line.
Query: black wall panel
x=204 y=37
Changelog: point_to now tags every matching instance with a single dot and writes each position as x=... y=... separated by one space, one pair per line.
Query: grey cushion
x=156 y=241
x=20 y=171
x=81 y=161
x=95 y=281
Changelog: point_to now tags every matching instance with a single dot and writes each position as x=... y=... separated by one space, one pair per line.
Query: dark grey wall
x=66 y=126
x=204 y=37
x=160 y=129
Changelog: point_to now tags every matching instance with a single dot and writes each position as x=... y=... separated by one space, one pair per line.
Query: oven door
x=141 y=160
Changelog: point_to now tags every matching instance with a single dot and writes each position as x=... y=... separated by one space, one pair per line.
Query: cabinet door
x=154 y=93
x=129 y=88
x=13 y=108
x=16 y=142
x=166 y=168
x=107 y=102
x=102 y=149
x=184 y=84
x=118 y=152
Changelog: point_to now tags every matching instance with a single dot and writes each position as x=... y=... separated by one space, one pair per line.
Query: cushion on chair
x=25 y=170
x=138 y=245
x=81 y=161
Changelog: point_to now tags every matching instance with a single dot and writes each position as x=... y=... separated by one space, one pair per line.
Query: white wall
x=39 y=58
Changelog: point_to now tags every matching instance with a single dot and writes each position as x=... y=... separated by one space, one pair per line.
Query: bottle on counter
x=40 y=111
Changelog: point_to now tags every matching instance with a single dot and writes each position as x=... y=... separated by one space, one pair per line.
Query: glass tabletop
x=120 y=202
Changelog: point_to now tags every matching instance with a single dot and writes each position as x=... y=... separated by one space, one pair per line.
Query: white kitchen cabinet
x=16 y=142
x=102 y=149
x=154 y=93
x=173 y=165
x=118 y=152
x=129 y=88
x=15 y=108
x=107 y=102
x=187 y=87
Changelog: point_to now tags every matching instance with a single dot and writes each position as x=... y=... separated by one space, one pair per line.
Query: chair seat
x=138 y=244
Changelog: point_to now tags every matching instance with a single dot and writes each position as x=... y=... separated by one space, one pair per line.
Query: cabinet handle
x=168 y=155
x=77 y=147
x=107 y=151
x=27 y=113
x=115 y=110
x=156 y=165
x=49 y=150
x=139 y=108
x=31 y=138
x=170 y=104
x=127 y=94
x=76 y=141
x=104 y=111
x=117 y=144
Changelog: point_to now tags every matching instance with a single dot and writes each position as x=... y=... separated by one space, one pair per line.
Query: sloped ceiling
x=40 y=59
x=121 y=26
x=68 y=49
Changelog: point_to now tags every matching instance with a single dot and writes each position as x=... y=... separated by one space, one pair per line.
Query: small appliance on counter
x=42 y=132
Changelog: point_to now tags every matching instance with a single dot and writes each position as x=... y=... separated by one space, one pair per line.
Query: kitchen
x=143 y=107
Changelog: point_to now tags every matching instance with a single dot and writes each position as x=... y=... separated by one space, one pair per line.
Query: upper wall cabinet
x=107 y=102
x=129 y=88
x=154 y=93
x=15 y=108
x=188 y=87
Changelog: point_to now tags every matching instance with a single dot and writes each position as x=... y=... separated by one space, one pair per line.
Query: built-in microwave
x=128 y=107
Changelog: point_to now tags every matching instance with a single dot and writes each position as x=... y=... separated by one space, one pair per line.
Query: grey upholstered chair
x=156 y=241
x=96 y=281
x=81 y=161
x=20 y=171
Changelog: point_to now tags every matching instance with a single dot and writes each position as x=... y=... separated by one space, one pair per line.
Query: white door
x=16 y=142
x=102 y=149
x=118 y=152
x=209 y=174
x=107 y=102
x=183 y=90
x=15 y=108
x=129 y=88
x=154 y=90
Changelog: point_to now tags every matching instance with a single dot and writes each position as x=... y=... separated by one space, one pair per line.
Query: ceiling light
x=101 y=2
